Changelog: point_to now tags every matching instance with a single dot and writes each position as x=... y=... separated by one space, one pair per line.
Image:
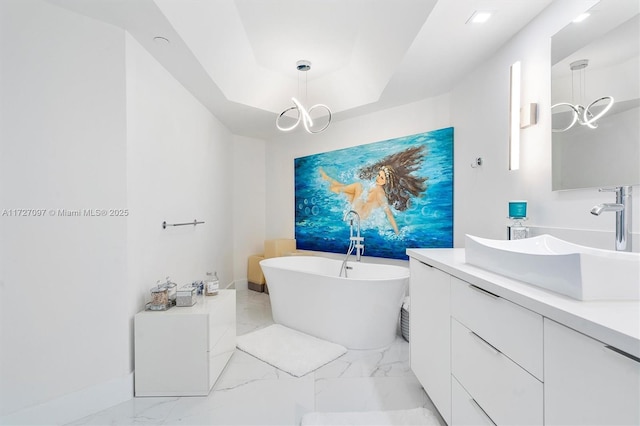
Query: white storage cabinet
x=183 y=350
x=496 y=355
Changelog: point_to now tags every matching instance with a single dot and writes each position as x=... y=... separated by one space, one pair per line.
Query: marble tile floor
x=251 y=392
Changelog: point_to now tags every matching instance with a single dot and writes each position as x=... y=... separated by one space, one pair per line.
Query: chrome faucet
x=355 y=240
x=622 y=208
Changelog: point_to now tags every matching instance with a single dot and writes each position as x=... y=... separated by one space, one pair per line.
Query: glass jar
x=172 y=289
x=211 y=284
x=159 y=298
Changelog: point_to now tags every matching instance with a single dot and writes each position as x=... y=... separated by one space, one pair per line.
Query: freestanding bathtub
x=358 y=312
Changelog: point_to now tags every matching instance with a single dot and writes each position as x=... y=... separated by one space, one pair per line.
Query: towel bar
x=194 y=223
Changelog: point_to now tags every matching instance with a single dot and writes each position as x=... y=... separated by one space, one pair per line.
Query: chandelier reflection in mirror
x=586 y=116
x=286 y=122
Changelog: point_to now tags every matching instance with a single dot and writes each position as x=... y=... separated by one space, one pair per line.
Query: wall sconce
x=514 y=117
x=528 y=115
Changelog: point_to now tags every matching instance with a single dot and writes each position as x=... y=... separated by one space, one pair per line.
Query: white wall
x=406 y=120
x=249 y=200
x=477 y=108
x=91 y=121
x=178 y=170
x=63 y=141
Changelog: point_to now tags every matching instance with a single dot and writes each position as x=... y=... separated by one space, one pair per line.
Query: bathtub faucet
x=355 y=240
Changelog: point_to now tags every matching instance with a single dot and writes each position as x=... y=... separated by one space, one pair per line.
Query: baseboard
x=74 y=406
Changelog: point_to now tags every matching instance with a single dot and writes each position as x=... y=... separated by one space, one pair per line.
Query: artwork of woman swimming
x=394 y=184
x=401 y=188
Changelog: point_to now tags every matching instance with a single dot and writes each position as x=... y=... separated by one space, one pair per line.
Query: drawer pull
x=483 y=291
x=425 y=264
x=487 y=344
x=623 y=353
x=480 y=410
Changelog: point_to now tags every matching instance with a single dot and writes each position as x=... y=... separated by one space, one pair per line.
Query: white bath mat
x=416 y=416
x=289 y=350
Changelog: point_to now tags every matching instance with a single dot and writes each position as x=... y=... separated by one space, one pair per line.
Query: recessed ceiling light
x=161 y=40
x=479 y=17
x=581 y=17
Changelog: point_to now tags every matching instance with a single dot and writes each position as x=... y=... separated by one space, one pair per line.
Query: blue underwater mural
x=402 y=189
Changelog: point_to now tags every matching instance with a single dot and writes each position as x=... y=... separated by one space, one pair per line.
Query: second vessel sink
x=580 y=272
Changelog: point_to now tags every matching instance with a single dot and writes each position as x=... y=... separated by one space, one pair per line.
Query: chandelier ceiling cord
x=580 y=114
x=302 y=115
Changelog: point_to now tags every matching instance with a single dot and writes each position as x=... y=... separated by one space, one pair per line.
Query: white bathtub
x=358 y=312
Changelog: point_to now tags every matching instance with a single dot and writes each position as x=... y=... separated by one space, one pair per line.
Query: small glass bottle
x=517 y=230
x=211 y=284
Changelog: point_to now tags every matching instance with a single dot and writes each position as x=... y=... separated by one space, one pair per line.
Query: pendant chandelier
x=583 y=115
x=301 y=113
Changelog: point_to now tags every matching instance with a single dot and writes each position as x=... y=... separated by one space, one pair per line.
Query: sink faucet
x=622 y=208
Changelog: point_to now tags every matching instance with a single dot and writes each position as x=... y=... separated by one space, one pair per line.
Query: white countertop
x=615 y=323
x=203 y=305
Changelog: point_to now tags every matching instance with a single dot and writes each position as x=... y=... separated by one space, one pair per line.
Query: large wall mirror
x=597 y=60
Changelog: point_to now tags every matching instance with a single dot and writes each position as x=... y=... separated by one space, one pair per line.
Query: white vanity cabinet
x=496 y=355
x=182 y=351
x=465 y=410
x=430 y=335
x=517 y=354
x=588 y=382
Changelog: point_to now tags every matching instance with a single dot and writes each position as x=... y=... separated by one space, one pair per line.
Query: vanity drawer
x=465 y=410
x=587 y=381
x=516 y=331
x=507 y=393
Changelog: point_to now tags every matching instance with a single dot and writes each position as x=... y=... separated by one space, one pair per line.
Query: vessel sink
x=580 y=272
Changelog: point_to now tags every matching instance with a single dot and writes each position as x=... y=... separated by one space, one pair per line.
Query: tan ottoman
x=272 y=248
x=255 y=277
x=279 y=247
